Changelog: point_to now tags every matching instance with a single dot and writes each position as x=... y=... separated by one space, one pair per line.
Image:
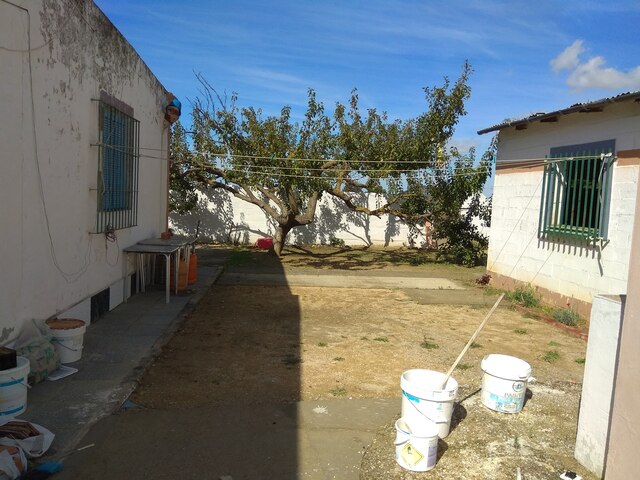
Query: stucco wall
x=50 y=259
x=514 y=248
x=225 y=219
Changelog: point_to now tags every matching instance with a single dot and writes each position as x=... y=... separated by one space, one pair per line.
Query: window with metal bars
x=576 y=192
x=118 y=169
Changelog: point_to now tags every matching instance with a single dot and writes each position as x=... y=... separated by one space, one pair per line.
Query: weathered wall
x=514 y=248
x=226 y=219
x=597 y=386
x=624 y=436
x=56 y=59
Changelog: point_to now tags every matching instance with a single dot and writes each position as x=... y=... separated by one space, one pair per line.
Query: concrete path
x=340 y=281
x=116 y=350
x=308 y=440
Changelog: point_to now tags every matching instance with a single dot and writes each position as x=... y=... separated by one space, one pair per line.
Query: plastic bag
x=43 y=358
x=12 y=463
x=33 y=446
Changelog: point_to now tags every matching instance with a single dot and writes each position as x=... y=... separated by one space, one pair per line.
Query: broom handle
x=471 y=340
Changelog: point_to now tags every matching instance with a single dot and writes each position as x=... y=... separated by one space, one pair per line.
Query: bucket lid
x=64 y=323
x=506 y=366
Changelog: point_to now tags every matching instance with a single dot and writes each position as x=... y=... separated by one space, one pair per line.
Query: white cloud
x=569 y=58
x=593 y=73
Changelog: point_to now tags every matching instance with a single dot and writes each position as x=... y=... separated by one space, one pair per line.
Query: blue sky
x=527 y=56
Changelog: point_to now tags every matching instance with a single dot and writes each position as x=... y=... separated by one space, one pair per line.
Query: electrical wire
x=68 y=277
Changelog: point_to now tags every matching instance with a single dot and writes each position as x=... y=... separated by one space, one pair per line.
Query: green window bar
x=576 y=192
x=119 y=154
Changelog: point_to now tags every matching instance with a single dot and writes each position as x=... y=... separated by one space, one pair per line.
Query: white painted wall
x=47 y=129
x=225 y=218
x=514 y=248
x=597 y=387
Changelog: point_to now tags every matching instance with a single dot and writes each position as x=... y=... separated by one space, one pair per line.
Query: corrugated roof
x=578 y=107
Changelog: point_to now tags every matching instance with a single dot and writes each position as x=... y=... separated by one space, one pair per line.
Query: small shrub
x=553 y=344
x=381 y=339
x=475 y=345
x=520 y=331
x=339 y=359
x=527 y=296
x=338 y=392
x=322 y=344
x=567 y=316
x=551 y=356
x=580 y=361
x=364 y=338
x=463 y=366
x=336 y=242
x=428 y=345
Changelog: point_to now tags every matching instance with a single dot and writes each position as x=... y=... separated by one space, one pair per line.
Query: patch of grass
x=580 y=361
x=475 y=345
x=339 y=359
x=240 y=257
x=567 y=316
x=553 y=344
x=464 y=366
x=322 y=344
x=533 y=316
x=364 y=338
x=291 y=360
x=428 y=345
x=527 y=296
x=338 y=392
x=520 y=331
x=381 y=339
x=550 y=356
x=419 y=260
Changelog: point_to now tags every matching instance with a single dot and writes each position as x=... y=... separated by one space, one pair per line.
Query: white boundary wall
x=226 y=219
x=514 y=248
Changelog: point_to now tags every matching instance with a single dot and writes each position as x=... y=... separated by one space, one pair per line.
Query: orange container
x=182 y=274
x=193 y=269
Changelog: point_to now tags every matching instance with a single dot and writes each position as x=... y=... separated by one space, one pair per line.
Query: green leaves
x=284 y=166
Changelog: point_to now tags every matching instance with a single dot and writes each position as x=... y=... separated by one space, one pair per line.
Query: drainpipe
x=171 y=114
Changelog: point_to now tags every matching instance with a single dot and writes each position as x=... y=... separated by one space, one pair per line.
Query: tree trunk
x=281 y=236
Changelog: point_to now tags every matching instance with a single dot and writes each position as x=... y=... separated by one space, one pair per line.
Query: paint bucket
x=68 y=337
x=425 y=403
x=417 y=453
x=504 y=383
x=13 y=388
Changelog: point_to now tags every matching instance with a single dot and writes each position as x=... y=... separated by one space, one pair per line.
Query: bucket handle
x=55 y=340
x=21 y=382
x=425 y=415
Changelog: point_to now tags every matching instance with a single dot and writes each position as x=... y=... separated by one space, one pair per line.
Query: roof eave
x=583 y=107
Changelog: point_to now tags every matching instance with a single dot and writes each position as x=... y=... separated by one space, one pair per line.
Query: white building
x=78 y=107
x=564 y=225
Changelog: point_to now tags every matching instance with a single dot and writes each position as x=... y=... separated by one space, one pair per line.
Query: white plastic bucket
x=13 y=388
x=417 y=453
x=504 y=383
x=68 y=341
x=425 y=403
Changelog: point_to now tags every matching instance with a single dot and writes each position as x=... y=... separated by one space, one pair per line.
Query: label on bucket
x=411 y=455
x=509 y=403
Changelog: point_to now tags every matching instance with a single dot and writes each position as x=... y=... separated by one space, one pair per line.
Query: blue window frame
x=118 y=169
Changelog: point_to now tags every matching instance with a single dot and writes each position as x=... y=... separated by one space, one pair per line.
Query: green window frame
x=576 y=192
x=117 y=167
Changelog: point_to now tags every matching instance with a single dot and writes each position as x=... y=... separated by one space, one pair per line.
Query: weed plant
x=567 y=316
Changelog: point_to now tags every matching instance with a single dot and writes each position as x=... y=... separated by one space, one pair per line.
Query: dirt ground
x=254 y=344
